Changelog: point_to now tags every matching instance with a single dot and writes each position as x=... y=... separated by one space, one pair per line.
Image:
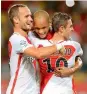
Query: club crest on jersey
x=23 y=43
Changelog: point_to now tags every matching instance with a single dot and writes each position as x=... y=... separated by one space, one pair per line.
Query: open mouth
x=41 y=34
x=29 y=23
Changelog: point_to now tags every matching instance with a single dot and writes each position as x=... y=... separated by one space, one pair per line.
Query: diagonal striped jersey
x=50 y=84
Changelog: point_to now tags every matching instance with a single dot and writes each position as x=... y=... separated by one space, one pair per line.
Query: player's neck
x=57 y=37
x=21 y=32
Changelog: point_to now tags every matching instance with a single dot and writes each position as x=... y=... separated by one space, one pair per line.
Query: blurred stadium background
x=79 y=15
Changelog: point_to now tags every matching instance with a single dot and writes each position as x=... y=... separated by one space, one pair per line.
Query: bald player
x=41 y=33
x=42 y=29
x=20 y=50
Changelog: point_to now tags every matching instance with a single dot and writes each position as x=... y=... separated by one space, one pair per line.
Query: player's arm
x=42 y=51
x=23 y=46
x=65 y=72
x=78 y=64
x=78 y=61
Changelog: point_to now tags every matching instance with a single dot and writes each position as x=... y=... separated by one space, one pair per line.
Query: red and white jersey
x=21 y=68
x=50 y=84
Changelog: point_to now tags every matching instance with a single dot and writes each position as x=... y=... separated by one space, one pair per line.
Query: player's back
x=50 y=84
x=57 y=84
x=21 y=69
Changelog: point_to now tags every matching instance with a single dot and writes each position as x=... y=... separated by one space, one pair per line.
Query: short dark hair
x=59 y=19
x=13 y=11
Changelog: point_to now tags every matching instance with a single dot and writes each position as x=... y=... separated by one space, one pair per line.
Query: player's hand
x=61 y=49
x=57 y=72
x=63 y=71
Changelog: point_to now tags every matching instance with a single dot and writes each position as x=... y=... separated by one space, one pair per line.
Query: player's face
x=68 y=30
x=25 y=19
x=41 y=27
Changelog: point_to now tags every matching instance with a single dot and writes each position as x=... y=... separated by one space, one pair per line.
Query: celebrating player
x=20 y=48
x=48 y=65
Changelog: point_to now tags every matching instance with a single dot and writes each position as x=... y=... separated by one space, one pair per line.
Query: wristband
x=59 y=46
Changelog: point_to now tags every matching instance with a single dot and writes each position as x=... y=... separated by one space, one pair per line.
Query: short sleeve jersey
x=50 y=84
x=21 y=69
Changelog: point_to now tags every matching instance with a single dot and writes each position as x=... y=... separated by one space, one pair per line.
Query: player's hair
x=41 y=13
x=59 y=19
x=13 y=11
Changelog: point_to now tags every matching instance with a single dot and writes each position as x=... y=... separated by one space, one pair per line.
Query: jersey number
x=59 y=63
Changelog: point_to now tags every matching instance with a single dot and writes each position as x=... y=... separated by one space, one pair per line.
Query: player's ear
x=50 y=25
x=61 y=29
x=16 y=20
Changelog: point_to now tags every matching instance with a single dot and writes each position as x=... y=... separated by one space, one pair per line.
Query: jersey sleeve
x=21 y=44
x=79 y=50
x=33 y=38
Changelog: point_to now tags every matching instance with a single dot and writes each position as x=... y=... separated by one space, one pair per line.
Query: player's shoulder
x=33 y=38
x=31 y=35
x=37 y=41
x=43 y=42
x=76 y=46
x=71 y=42
x=16 y=38
x=75 y=43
